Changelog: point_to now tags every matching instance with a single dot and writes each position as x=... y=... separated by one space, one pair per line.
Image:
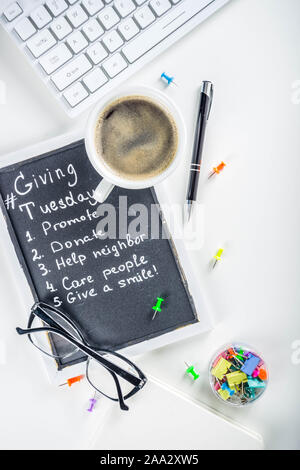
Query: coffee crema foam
x=136 y=137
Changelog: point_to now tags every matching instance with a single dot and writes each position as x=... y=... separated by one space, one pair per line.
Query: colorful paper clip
x=250 y=364
x=220 y=369
x=217 y=169
x=238 y=376
x=73 y=380
x=255 y=383
x=168 y=79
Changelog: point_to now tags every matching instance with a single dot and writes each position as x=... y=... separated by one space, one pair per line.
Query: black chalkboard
x=52 y=218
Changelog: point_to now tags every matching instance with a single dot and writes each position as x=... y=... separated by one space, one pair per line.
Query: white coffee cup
x=110 y=179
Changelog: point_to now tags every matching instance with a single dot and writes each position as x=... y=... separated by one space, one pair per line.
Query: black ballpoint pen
x=206 y=96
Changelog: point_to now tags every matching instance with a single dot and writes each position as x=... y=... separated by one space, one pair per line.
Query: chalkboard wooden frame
x=151 y=343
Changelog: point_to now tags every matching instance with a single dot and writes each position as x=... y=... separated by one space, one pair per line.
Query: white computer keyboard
x=84 y=48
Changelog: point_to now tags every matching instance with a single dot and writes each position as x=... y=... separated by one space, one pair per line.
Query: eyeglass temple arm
x=120 y=395
x=40 y=313
x=88 y=351
x=123 y=406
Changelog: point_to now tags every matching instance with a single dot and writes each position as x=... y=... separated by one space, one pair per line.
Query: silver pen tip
x=187 y=211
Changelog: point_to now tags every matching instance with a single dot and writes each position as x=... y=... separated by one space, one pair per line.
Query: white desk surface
x=250 y=50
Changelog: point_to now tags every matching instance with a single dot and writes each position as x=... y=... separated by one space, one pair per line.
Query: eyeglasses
x=57 y=336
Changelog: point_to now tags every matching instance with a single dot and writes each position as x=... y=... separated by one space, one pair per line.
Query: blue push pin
x=168 y=79
x=229 y=390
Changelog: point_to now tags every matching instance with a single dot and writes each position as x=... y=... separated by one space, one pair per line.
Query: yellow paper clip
x=220 y=368
x=236 y=378
x=224 y=394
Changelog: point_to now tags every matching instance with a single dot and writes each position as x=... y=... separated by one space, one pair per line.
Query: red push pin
x=73 y=380
x=217 y=169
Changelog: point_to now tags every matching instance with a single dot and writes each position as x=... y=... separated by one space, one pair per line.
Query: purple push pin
x=93 y=402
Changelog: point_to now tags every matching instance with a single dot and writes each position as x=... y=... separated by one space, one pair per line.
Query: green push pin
x=157 y=307
x=190 y=370
x=240 y=355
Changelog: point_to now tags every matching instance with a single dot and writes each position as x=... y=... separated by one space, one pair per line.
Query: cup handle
x=103 y=190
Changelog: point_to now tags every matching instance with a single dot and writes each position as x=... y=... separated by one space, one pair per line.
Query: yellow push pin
x=217 y=256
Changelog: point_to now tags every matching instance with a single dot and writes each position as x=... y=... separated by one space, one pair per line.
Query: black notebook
x=107 y=286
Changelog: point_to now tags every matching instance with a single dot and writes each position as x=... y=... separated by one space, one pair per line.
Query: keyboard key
x=113 y=41
x=72 y=2
x=114 y=65
x=13 y=11
x=92 y=30
x=71 y=72
x=77 y=16
x=175 y=1
x=128 y=28
x=77 y=41
x=56 y=7
x=160 y=6
x=109 y=18
x=41 y=43
x=75 y=94
x=40 y=17
x=124 y=7
x=97 y=53
x=93 y=6
x=139 y=2
x=61 y=28
x=25 y=29
x=95 y=80
x=55 y=58
x=156 y=33
x=144 y=17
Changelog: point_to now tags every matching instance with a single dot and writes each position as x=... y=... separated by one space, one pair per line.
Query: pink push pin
x=255 y=373
x=93 y=402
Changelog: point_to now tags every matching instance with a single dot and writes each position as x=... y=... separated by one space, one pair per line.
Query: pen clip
x=210 y=99
x=208 y=89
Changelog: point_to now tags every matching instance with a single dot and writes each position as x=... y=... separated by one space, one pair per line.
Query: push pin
x=217 y=169
x=93 y=402
x=229 y=390
x=263 y=374
x=240 y=355
x=166 y=78
x=73 y=380
x=217 y=256
x=157 y=307
x=190 y=370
